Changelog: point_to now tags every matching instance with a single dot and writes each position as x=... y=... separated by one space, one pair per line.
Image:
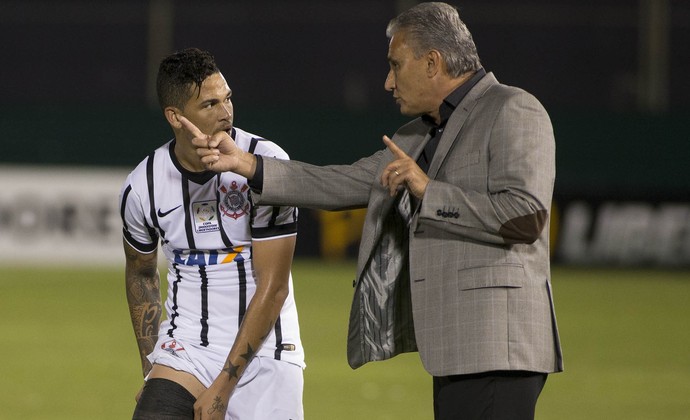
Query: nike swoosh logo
x=163 y=214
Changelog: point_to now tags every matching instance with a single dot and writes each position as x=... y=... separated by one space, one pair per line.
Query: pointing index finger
x=397 y=152
x=189 y=126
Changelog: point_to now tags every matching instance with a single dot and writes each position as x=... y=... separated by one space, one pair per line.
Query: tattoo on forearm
x=135 y=291
x=232 y=370
x=145 y=319
x=150 y=318
x=142 y=285
x=249 y=354
x=145 y=308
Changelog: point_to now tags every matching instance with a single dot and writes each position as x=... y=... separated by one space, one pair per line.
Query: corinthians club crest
x=234 y=203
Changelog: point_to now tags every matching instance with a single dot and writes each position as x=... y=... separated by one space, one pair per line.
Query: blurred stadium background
x=77 y=112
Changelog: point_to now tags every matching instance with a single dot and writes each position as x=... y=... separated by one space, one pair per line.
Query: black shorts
x=163 y=399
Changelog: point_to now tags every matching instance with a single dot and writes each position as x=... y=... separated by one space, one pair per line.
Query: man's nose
x=389 y=84
x=227 y=110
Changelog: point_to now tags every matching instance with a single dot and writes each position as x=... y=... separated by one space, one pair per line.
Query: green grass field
x=67 y=350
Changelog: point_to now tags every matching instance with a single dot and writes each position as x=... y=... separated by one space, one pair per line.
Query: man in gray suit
x=454 y=257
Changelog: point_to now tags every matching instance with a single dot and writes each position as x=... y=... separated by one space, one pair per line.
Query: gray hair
x=437 y=26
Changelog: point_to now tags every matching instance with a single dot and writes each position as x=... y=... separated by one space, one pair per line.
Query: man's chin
x=408 y=112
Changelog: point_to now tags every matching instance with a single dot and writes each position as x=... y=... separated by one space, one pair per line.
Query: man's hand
x=219 y=153
x=212 y=404
x=403 y=172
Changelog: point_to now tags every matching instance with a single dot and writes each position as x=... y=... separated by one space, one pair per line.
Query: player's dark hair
x=181 y=73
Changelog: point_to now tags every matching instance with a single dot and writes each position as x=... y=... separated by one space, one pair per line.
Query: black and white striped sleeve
x=135 y=228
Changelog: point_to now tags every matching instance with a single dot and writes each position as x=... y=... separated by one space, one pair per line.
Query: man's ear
x=171 y=114
x=434 y=63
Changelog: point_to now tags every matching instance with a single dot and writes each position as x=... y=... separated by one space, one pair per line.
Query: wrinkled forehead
x=399 y=46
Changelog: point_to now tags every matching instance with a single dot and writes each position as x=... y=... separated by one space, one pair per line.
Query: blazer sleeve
x=333 y=187
x=499 y=192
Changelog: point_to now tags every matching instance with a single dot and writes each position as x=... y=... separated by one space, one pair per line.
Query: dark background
x=75 y=80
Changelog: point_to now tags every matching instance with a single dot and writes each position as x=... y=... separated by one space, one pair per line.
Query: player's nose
x=226 y=111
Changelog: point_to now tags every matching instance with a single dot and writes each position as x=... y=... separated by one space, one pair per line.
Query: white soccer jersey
x=206 y=223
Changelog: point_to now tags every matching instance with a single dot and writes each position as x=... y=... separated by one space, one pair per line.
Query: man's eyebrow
x=209 y=102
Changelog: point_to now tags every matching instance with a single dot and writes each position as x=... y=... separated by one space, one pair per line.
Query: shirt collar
x=454 y=98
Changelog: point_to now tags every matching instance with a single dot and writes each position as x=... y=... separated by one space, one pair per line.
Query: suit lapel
x=416 y=146
x=456 y=121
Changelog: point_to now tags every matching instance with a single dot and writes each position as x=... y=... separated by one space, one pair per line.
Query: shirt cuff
x=257 y=182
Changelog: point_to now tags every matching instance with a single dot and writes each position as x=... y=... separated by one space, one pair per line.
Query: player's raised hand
x=403 y=171
x=218 y=152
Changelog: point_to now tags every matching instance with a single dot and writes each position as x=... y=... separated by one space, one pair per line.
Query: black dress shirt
x=445 y=110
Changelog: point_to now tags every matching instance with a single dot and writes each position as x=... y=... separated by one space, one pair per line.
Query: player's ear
x=171 y=113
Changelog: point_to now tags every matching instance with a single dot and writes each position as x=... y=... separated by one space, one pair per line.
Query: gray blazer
x=477 y=294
